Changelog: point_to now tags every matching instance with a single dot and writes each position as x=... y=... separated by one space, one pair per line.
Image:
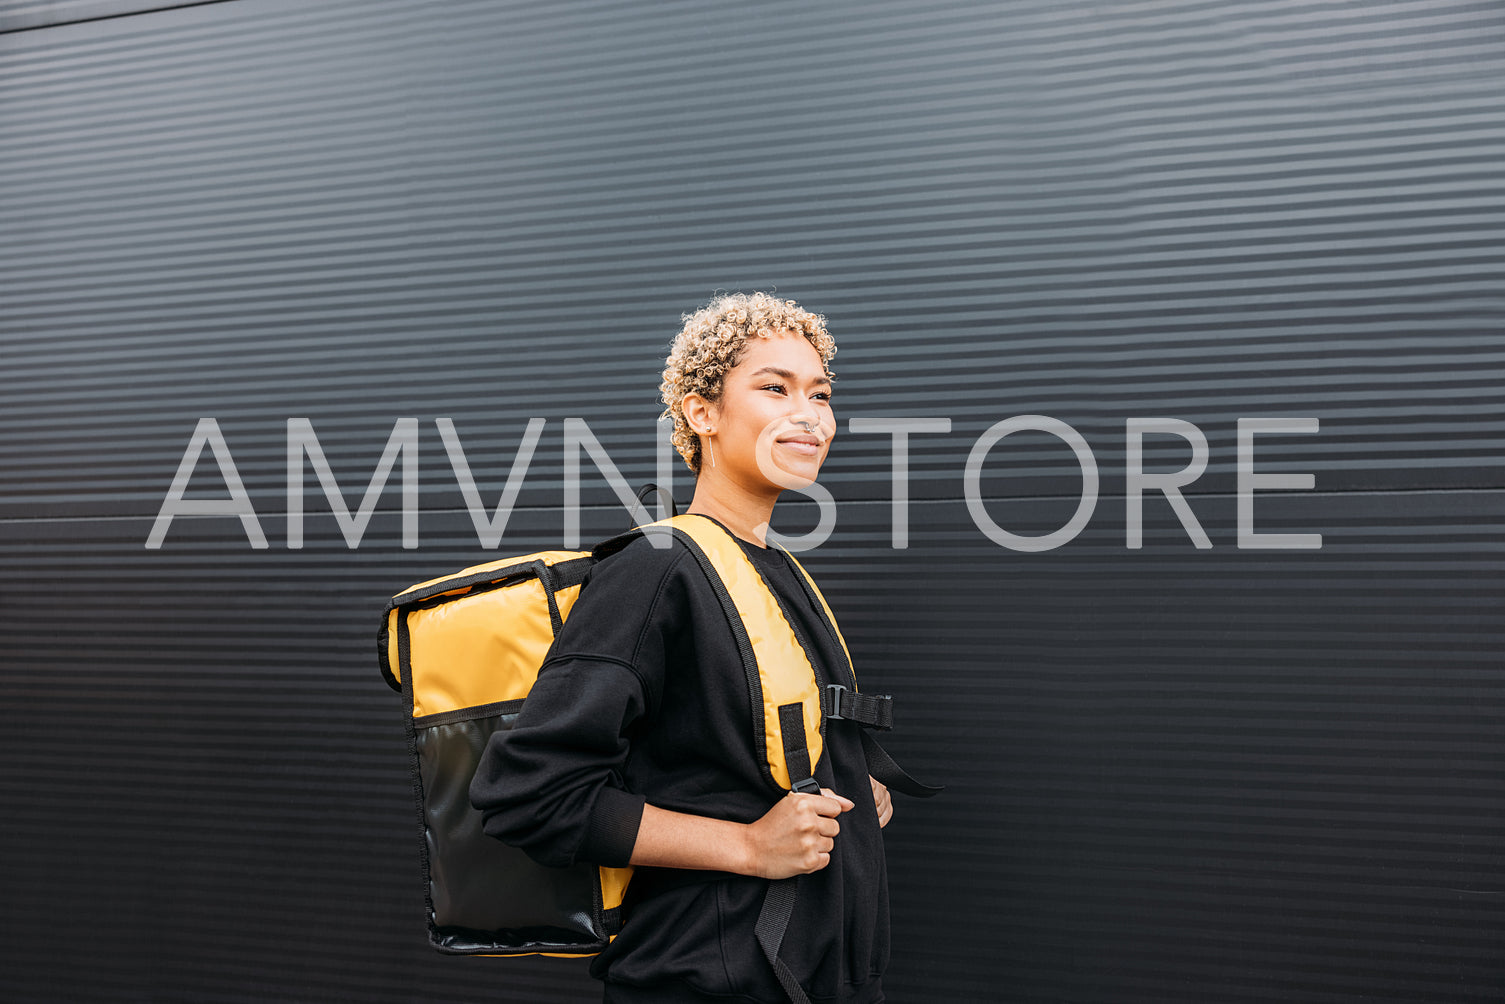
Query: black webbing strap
x=796 y=751
x=883 y=767
x=873 y=711
x=778 y=905
x=778 y=902
x=546 y=579
x=876 y=711
x=836 y=702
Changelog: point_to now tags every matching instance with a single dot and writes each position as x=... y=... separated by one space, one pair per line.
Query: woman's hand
x=882 y=801
x=796 y=835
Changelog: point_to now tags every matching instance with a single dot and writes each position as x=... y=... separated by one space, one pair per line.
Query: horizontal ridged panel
x=1174 y=774
x=29 y=15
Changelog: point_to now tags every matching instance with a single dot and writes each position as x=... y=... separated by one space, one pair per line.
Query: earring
x=710 y=449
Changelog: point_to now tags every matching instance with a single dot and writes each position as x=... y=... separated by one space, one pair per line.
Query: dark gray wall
x=1176 y=774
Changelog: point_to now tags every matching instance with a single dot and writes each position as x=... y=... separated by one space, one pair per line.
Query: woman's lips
x=806 y=447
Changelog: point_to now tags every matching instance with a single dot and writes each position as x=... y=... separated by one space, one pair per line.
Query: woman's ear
x=699 y=412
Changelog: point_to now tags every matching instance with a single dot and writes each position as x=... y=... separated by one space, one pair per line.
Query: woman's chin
x=788 y=465
x=798 y=476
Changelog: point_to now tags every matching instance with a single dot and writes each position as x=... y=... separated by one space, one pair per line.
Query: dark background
x=1174 y=774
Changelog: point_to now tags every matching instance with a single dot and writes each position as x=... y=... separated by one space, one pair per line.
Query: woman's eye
x=823 y=395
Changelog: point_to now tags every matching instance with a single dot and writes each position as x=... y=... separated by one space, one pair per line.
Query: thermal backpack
x=464 y=650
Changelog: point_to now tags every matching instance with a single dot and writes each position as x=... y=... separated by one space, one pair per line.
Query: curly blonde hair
x=712 y=342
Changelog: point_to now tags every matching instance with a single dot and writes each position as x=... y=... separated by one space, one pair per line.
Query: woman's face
x=778 y=384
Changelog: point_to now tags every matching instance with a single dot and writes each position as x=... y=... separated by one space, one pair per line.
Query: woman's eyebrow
x=785 y=374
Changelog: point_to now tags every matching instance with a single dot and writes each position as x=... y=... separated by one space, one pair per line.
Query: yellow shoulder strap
x=826 y=607
x=778 y=668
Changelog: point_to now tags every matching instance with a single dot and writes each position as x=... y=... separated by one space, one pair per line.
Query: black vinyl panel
x=1174 y=774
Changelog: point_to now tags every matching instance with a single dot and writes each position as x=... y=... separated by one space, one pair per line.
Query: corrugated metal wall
x=1176 y=774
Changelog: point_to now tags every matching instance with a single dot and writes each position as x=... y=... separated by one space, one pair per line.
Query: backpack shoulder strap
x=780 y=677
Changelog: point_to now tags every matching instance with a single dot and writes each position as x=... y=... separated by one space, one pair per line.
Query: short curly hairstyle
x=713 y=340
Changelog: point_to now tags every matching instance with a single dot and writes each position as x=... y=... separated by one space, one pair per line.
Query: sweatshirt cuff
x=613 y=828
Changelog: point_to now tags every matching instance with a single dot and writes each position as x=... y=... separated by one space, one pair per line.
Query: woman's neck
x=743 y=513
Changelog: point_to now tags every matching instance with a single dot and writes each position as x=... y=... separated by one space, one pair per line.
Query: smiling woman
x=638 y=747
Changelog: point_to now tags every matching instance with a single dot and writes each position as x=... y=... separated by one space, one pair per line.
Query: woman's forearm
x=794 y=837
x=669 y=839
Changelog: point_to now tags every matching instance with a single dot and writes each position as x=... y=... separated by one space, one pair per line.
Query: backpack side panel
x=467 y=648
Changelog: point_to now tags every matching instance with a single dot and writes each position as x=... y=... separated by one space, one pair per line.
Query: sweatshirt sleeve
x=553 y=785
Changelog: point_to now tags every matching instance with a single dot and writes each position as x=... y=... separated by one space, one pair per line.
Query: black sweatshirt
x=643 y=698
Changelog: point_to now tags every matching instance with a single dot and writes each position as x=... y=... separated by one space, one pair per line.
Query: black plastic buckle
x=833 y=698
x=809 y=786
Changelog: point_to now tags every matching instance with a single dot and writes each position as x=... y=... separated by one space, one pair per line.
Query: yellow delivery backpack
x=465 y=649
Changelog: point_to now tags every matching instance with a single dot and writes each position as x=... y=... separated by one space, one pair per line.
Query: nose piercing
x=805 y=424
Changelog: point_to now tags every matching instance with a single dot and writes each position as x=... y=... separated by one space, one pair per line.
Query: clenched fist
x=796 y=835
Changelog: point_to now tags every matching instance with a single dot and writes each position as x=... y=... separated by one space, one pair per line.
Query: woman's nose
x=810 y=422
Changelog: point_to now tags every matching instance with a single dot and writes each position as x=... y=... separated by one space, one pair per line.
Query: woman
x=633 y=746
